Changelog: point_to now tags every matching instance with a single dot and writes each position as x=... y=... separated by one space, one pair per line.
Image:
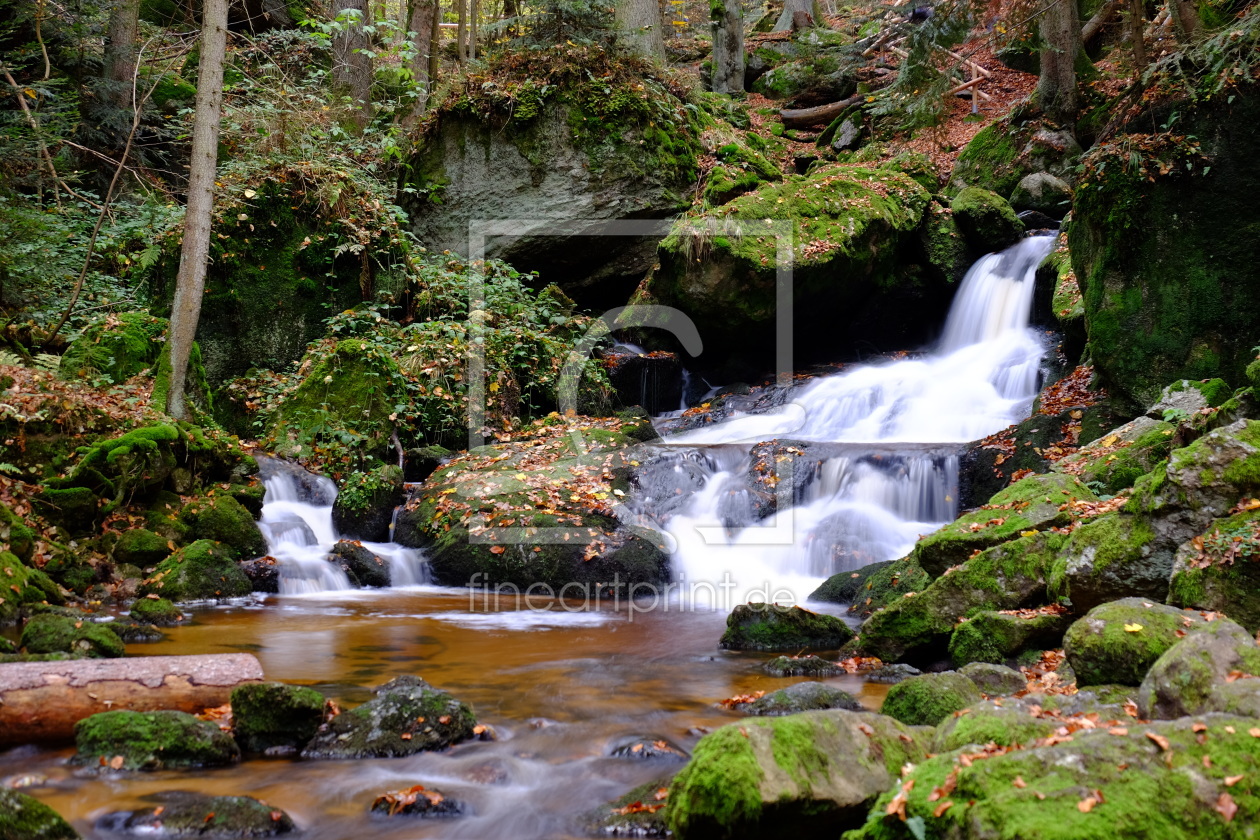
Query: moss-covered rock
x=928 y=699
x=1011 y=575
x=159 y=612
x=267 y=715
x=805 y=774
x=203 y=570
x=1220 y=570
x=987 y=722
x=877 y=585
x=999 y=637
x=1037 y=793
x=1003 y=153
x=365 y=503
x=81 y=637
x=24 y=817
x=419 y=801
x=151 y=741
x=1044 y=193
x=802 y=697
x=944 y=244
x=406 y=716
x=29 y=586
x=185 y=814
x=802 y=666
x=761 y=626
x=1113 y=556
x=1115 y=461
x=361 y=566
x=142 y=548
x=15 y=535
x=1034 y=503
x=986 y=220
x=116 y=348
x=740 y=169
x=994 y=680
x=847 y=587
x=1182 y=680
x=1118 y=642
x=224 y=520
x=618 y=819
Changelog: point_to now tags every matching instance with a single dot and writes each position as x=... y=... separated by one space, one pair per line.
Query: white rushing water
x=298 y=526
x=869 y=503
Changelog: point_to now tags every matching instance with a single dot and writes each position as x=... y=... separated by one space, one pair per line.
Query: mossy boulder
x=740 y=169
x=801 y=666
x=815 y=80
x=928 y=699
x=944 y=244
x=1044 y=193
x=618 y=818
x=361 y=566
x=1004 y=152
x=224 y=520
x=1181 y=681
x=203 y=570
x=1115 y=461
x=1220 y=570
x=1011 y=575
x=151 y=741
x=185 y=814
x=24 y=817
x=802 y=697
x=760 y=626
x=1037 y=793
x=159 y=612
x=854 y=234
x=994 y=680
x=269 y=715
x=986 y=722
x=1113 y=556
x=406 y=716
x=1158 y=314
x=15 y=535
x=1034 y=503
x=116 y=348
x=801 y=775
x=27 y=585
x=142 y=548
x=997 y=637
x=986 y=220
x=875 y=587
x=62 y=634
x=365 y=503
x=847 y=587
x=1119 y=641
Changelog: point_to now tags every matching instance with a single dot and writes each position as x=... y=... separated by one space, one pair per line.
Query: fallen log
x=41 y=702
x=821 y=115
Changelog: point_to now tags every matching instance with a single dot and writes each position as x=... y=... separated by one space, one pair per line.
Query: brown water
x=560 y=689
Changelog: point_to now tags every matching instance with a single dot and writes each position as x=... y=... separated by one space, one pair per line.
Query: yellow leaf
x=1132 y=628
x=1031 y=533
x=494 y=386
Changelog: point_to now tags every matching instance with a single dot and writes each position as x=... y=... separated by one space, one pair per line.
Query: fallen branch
x=821 y=115
x=1100 y=19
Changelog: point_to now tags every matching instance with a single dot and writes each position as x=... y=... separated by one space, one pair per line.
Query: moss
x=115 y=348
x=141 y=547
x=1116 y=466
x=152 y=741
x=1107 y=557
x=997 y=637
x=988 y=723
x=802 y=697
x=1104 y=649
x=944 y=244
x=616 y=819
x=888 y=585
x=117 y=468
x=83 y=637
x=269 y=715
x=156 y=611
x=847 y=587
x=928 y=699
x=184 y=814
x=203 y=570
x=75 y=508
x=225 y=520
x=986 y=220
x=720 y=787
x=988 y=160
x=1224 y=575
x=27 y=585
x=771 y=627
x=15 y=535
x=23 y=817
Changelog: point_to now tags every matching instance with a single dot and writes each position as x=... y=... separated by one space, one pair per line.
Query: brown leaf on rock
x=1159 y=740
x=1226 y=807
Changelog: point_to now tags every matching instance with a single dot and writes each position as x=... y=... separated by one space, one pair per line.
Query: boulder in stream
x=417 y=801
x=365 y=504
x=201 y=571
x=761 y=626
x=1118 y=642
x=801 y=697
x=80 y=637
x=224 y=520
x=406 y=716
x=125 y=740
x=929 y=699
x=270 y=715
x=802 y=666
x=187 y=814
x=360 y=565
x=160 y=612
x=24 y=817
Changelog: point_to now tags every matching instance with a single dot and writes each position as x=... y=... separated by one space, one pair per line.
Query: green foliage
x=549 y=22
x=1216 y=66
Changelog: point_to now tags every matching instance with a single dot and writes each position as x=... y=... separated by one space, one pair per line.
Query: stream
x=563 y=687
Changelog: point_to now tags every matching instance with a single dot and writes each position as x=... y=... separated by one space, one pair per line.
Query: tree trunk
x=1186 y=15
x=789 y=21
x=1100 y=19
x=190 y=282
x=474 y=11
x=820 y=115
x=120 y=51
x=1056 y=89
x=40 y=702
x=728 y=47
x=639 y=26
x=435 y=46
x=422 y=19
x=1136 y=26
x=352 y=67
x=461 y=33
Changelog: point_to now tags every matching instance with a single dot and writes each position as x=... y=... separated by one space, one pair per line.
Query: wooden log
x=821 y=115
x=40 y=702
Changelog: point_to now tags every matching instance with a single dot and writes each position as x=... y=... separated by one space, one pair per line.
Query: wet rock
x=1115 y=461
x=201 y=571
x=987 y=722
x=24 y=817
x=986 y=220
x=224 y=520
x=649 y=749
x=639 y=813
x=802 y=697
x=263 y=574
x=650 y=380
x=1043 y=193
x=928 y=699
x=406 y=716
x=1035 y=220
x=157 y=611
x=417 y=801
x=365 y=504
x=132 y=632
x=126 y=740
x=1218 y=571
x=1184 y=398
x=994 y=680
x=892 y=674
x=882 y=584
x=817 y=772
x=761 y=626
x=141 y=547
x=28 y=585
x=1119 y=641
x=1182 y=680
x=311 y=489
x=802 y=666
x=187 y=814
x=424 y=461
x=360 y=565
x=269 y=715
x=997 y=637
x=81 y=637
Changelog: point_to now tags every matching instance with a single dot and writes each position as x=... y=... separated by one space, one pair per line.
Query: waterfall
x=297 y=525
x=900 y=425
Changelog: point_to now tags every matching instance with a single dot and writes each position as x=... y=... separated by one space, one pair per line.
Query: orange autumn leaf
x=1226 y=807
x=1086 y=805
x=1160 y=740
x=1230 y=781
x=943 y=807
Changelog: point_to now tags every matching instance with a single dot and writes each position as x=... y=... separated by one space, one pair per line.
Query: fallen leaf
x=1086 y=805
x=1019 y=782
x=1158 y=739
x=1226 y=807
x=942 y=808
x=1133 y=628
x=1230 y=781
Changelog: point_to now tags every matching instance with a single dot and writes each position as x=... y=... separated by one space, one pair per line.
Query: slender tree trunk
x=639 y=24
x=1136 y=26
x=728 y=47
x=789 y=19
x=190 y=283
x=461 y=34
x=474 y=11
x=435 y=46
x=352 y=67
x=1186 y=15
x=1056 y=89
x=120 y=50
x=422 y=18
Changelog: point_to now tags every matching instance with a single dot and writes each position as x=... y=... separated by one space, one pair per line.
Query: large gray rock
x=1044 y=193
x=185 y=814
x=802 y=697
x=1182 y=681
x=407 y=716
x=1117 y=643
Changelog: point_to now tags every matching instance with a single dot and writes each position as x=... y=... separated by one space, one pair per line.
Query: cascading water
x=297 y=525
x=896 y=478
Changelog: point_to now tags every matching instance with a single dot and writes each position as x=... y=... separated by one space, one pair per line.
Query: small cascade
x=297 y=525
x=880 y=444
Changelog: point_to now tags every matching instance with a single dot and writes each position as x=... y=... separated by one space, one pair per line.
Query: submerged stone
x=802 y=666
x=417 y=801
x=761 y=626
x=802 y=697
x=648 y=749
x=186 y=814
x=24 y=817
